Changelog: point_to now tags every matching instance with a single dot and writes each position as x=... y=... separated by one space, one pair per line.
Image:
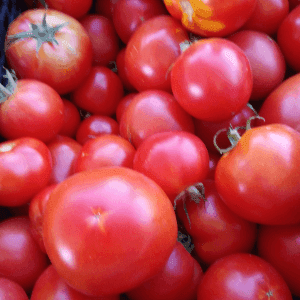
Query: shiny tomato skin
x=282 y=105
x=178 y=279
x=123 y=104
x=152 y=50
x=212 y=79
x=242 y=276
x=119 y=219
x=259 y=178
x=211 y=18
x=74 y=51
x=280 y=246
x=21 y=258
x=25 y=168
x=33 y=110
x=10 y=290
x=51 y=286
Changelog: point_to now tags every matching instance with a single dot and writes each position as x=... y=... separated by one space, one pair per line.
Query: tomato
x=100 y=92
x=32 y=109
x=103 y=37
x=62 y=60
x=123 y=104
x=21 y=258
x=282 y=105
x=130 y=14
x=259 y=178
x=287 y=38
x=105 y=7
x=242 y=276
x=211 y=18
x=175 y=160
x=267 y=16
x=105 y=150
x=102 y=228
x=216 y=231
x=151 y=112
x=152 y=50
x=36 y=214
x=293 y=4
x=213 y=161
x=64 y=152
x=25 y=168
x=280 y=246
x=178 y=279
x=212 y=79
x=95 y=126
x=10 y=290
x=51 y=286
x=266 y=61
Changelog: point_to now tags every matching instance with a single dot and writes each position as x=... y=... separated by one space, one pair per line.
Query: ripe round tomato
x=211 y=18
x=242 y=276
x=62 y=64
x=259 y=178
x=212 y=79
x=108 y=230
x=10 y=290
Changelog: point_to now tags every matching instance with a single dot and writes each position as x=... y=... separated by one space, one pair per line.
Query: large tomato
x=259 y=178
x=211 y=17
x=108 y=230
x=212 y=79
x=61 y=57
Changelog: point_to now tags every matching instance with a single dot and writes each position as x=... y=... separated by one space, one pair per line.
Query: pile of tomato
x=150 y=150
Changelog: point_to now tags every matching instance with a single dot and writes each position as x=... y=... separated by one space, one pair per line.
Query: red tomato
x=64 y=152
x=119 y=221
x=216 y=231
x=178 y=279
x=151 y=112
x=213 y=161
x=105 y=7
x=280 y=246
x=21 y=258
x=293 y=4
x=212 y=18
x=10 y=290
x=51 y=286
x=212 y=79
x=103 y=151
x=266 y=61
x=282 y=105
x=123 y=104
x=103 y=37
x=25 y=168
x=152 y=50
x=71 y=119
x=267 y=16
x=175 y=160
x=130 y=14
x=287 y=38
x=95 y=126
x=100 y=92
x=73 y=50
x=33 y=109
x=259 y=178
x=36 y=214
x=242 y=276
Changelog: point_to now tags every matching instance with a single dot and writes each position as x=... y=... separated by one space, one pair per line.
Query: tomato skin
x=242 y=276
x=132 y=229
x=21 y=259
x=212 y=79
x=123 y=104
x=10 y=290
x=24 y=163
x=282 y=105
x=105 y=8
x=152 y=50
x=51 y=286
x=280 y=246
x=177 y=280
x=287 y=38
x=259 y=178
x=33 y=110
x=151 y=112
x=100 y=92
x=211 y=18
x=74 y=51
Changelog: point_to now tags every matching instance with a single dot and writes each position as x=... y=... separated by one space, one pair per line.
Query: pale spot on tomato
x=99 y=217
x=7 y=147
